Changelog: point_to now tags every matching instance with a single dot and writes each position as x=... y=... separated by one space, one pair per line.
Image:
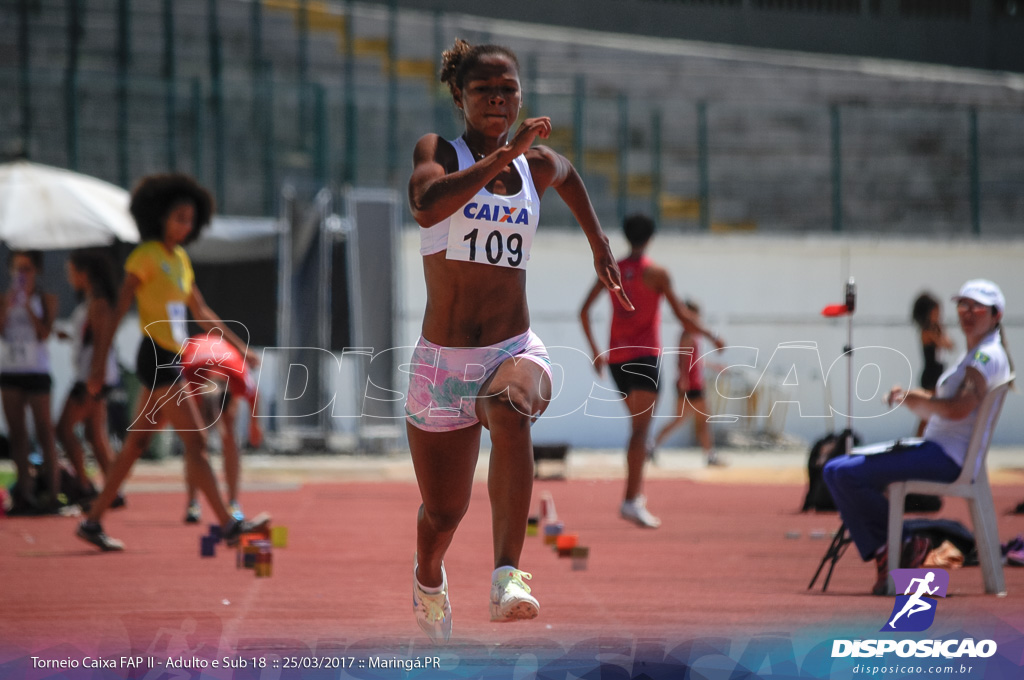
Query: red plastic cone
x=834 y=310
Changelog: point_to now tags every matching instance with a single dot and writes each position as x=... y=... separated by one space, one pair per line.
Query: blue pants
x=858 y=484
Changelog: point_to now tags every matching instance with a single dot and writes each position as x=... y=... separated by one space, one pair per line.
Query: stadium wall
x=760 y=293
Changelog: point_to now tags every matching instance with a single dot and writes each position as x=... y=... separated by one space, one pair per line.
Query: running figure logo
x=914 y=610
x=204 y=363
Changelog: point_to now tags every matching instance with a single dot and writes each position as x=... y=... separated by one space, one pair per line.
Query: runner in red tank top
x=637 y=333
x=690 y=392
x=209 y=357
x=635 y=351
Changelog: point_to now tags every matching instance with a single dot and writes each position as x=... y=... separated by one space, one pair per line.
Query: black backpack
x=825 y=449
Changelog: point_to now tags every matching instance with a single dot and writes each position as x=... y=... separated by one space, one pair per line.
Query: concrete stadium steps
x=678 y=208
x=1002 y=171
x=98 y=47
x=370 y=37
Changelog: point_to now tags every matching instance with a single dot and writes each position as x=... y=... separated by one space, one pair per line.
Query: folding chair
x=840 y=542
x=972 y=485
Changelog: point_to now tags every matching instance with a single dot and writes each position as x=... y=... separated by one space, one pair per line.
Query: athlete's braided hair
x=462 y=56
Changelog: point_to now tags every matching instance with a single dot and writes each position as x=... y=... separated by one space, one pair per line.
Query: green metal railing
x=975 y=173
x=696 y=165
x=239 y=138
x=124 y=58
x=704 y=181
x=349 y=174
x=656 y=172
x=837 y=168
x=170 y=91
x=71 y=80
x=217 y=111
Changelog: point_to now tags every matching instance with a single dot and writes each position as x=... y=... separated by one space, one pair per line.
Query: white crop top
x=489 y=229
x=23 y=351
x=82 y=350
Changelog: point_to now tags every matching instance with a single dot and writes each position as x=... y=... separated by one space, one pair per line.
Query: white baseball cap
x=983 y=291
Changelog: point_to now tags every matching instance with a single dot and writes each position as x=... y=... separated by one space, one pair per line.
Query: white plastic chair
x=972 y=485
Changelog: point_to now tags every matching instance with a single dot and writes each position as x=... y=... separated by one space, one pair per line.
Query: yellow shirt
x=166 y=280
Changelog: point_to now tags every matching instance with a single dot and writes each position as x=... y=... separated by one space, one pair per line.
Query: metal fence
x=261 y=103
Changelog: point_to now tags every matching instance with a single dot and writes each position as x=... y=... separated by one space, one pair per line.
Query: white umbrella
x=46 y=208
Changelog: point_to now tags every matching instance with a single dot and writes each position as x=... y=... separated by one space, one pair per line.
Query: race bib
x=178 y=320
x=493 y=230
x=20 y=355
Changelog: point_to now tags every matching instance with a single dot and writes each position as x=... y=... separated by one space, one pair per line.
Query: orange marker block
x=567 y=541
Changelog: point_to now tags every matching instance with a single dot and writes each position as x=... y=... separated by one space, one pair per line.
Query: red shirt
x=638 y=333
x=217 y=356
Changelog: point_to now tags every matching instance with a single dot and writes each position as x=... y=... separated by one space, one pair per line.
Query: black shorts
x=641 y=373
x=30 y=383
x=694 y=394
x=155 y=366
x=78 y=391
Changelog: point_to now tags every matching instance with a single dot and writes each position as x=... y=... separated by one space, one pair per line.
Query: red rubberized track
x=720 y=564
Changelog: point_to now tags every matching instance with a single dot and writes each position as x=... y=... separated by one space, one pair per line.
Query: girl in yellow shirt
x=171 y=210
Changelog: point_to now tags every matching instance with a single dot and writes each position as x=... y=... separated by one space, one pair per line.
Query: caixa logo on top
x=912 y=612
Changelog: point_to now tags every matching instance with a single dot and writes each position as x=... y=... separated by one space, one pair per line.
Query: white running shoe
x=510 y=597
x=635 y=510
x=433 y=611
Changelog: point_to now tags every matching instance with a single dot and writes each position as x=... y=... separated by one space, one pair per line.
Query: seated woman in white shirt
x=858 y=482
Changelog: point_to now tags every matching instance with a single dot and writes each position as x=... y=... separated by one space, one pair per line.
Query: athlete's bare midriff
x=473 y=305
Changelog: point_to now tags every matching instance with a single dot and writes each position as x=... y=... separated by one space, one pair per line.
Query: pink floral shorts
x=445 y=381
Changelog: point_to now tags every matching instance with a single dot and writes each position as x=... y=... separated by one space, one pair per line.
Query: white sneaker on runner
x=433 y=610
x=510 y=597
x=635 y=510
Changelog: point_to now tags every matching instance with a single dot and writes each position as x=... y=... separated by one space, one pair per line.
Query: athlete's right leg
x=516 y=393
x=444 y=463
